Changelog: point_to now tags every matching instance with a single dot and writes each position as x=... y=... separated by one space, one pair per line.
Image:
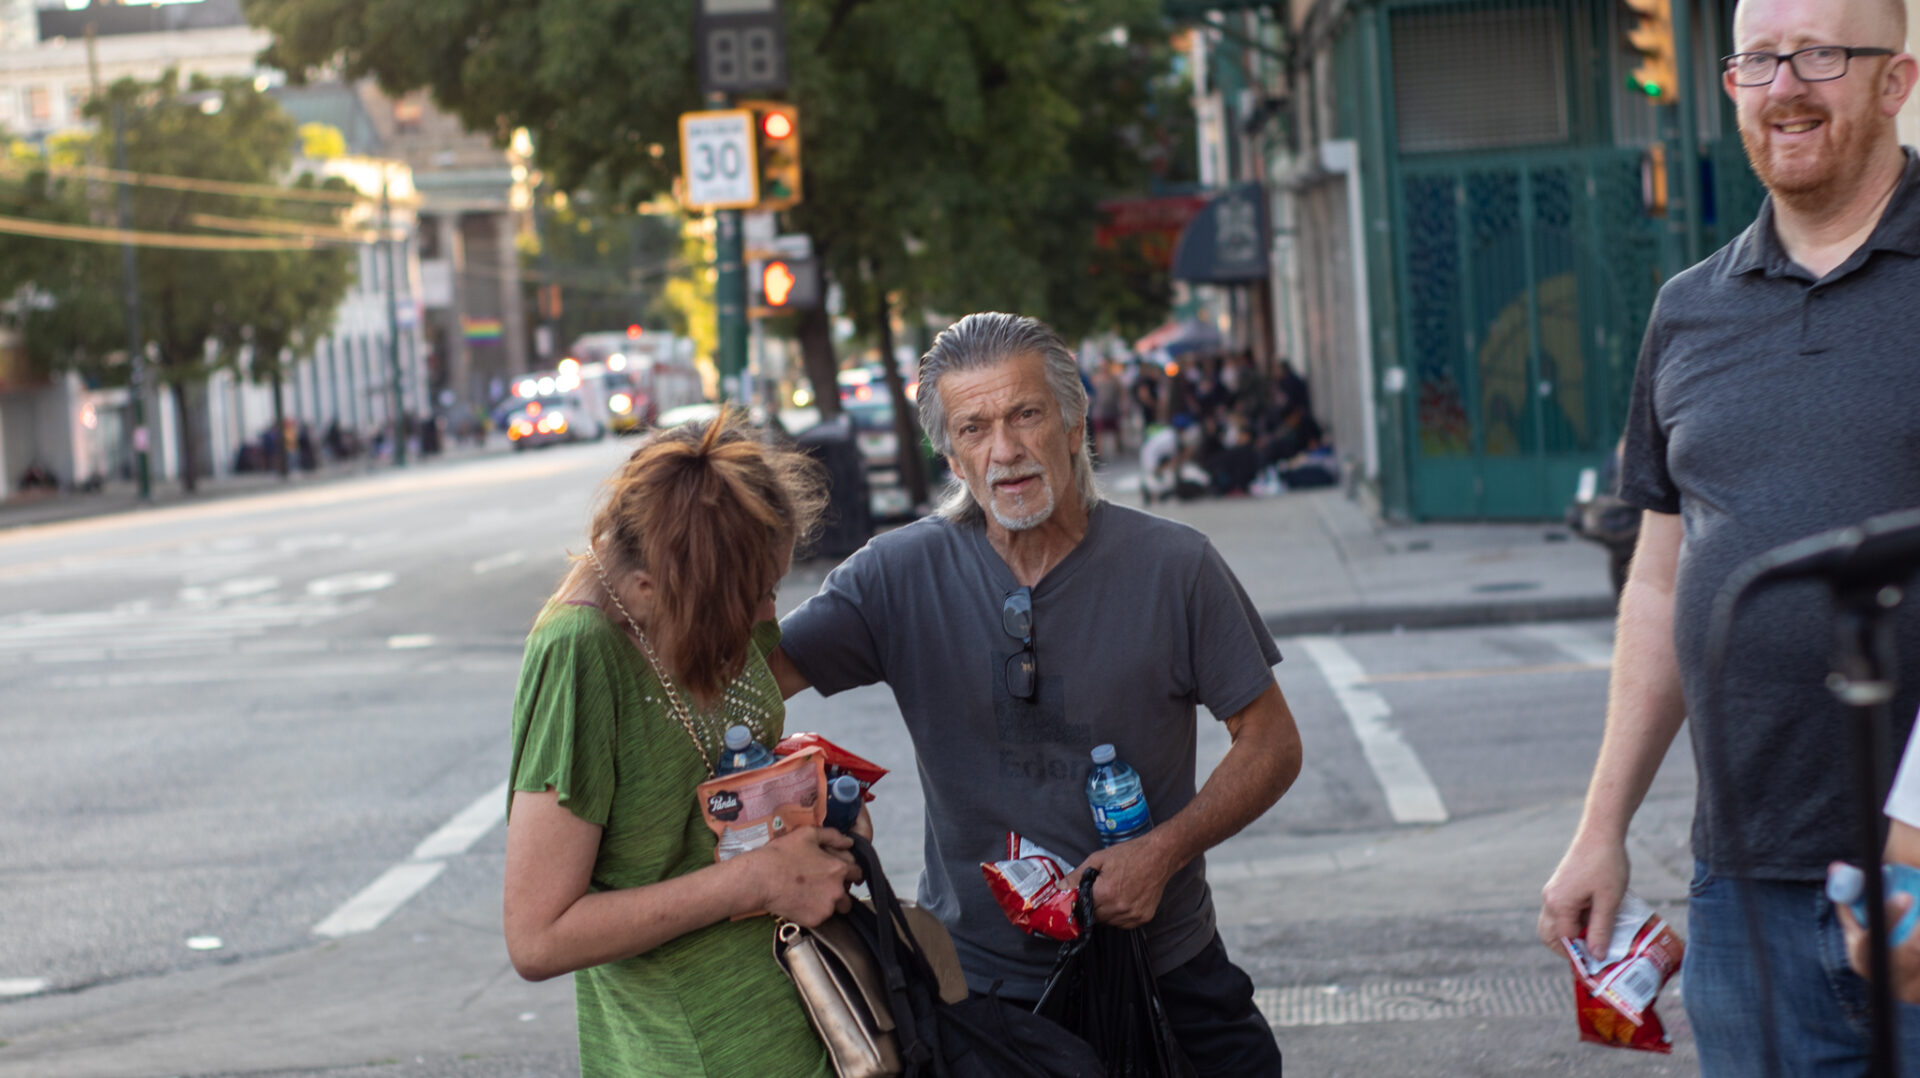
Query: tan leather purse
x=845 y=993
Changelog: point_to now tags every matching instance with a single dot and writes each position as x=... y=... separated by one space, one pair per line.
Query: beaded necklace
x=735 y=703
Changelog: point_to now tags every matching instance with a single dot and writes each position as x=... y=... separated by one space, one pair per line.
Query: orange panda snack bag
x=1613 y=996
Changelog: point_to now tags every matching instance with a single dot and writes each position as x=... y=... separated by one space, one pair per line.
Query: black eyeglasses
x=1821 y=63
x=1023 y=672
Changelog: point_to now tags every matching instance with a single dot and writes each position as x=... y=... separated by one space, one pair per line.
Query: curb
x=1387 y=617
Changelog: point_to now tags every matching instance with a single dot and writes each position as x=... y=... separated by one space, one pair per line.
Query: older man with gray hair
x=1030 y=620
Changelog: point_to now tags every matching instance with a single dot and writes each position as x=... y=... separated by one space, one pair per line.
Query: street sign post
x=740 y=47
x=717 y=159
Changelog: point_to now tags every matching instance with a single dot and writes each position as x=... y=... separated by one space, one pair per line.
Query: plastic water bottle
x=843 y=802
x=1119 y=804
x=1848 y=884
x=743 y=752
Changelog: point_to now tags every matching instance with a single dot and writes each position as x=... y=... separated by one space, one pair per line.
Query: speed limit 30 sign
x=717 y=161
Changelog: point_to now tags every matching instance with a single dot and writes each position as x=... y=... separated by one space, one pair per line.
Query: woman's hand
x=1903 y=959
x=803 y=875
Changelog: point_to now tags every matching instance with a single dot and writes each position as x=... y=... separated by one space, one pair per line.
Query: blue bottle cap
x=1845 y=883
x=738 y=738
x=845 y=788
x=1103 y=754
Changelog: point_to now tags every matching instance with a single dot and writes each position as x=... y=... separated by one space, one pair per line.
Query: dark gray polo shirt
x=1770 y=406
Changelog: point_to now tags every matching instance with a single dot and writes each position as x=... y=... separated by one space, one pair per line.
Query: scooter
x=1599 y=515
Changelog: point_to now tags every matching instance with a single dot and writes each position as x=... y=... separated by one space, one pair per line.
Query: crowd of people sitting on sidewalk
x=1213 y=425
x=304 y=453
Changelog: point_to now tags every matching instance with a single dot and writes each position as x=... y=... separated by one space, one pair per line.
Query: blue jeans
x=1817 y=1024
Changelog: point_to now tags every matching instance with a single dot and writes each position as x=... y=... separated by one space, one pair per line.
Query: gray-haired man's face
x=1008 y=446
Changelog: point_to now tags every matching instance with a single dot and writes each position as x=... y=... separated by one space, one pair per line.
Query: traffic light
x=776 y=134
x=1657 y=76
x=776 y=283
x=787 y=284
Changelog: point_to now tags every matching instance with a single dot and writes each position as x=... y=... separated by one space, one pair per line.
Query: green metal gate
x=1525 y=281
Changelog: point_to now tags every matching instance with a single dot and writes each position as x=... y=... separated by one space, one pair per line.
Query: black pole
x=130 y=271
x=1863 y=679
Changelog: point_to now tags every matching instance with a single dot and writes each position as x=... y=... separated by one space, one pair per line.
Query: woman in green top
x=654 y=643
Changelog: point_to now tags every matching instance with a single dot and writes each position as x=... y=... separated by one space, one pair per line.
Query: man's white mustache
x=1000 y=473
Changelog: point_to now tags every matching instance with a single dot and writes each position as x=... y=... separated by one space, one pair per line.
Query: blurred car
x=873 y=432
x=688 y=413
x=1599 y=515
x=552 y=419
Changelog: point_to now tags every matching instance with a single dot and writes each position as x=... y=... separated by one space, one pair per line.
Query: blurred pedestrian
x=1775 y=398
x=1105 y=407
x=1025 y=622
x=652 y=645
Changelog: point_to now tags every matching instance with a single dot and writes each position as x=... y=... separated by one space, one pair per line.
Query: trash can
x=849 y=518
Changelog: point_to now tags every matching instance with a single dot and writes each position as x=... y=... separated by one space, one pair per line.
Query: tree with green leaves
x=200 y=310
x=956 y=151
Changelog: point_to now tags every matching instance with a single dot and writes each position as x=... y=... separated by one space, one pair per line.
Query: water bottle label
x=1122 y=819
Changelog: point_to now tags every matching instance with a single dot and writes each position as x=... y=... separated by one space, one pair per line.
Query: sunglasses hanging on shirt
x=1022 y=670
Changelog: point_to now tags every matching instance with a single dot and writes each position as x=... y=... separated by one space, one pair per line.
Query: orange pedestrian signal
x=776 y=283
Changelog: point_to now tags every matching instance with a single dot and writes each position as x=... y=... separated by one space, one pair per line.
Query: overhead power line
x=311 y=230
x=217 y=187
x=27 y=226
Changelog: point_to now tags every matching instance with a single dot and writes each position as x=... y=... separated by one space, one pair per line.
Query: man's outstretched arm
x=1644 y=711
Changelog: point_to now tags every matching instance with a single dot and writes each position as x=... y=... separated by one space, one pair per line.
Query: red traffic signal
x=634 y=332
x=776 y=283
x=776 y=136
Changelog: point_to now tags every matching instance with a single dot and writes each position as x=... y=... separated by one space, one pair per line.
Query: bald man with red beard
x=1777 y=396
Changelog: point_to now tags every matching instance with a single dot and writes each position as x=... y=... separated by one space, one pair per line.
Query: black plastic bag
x=979 y=1037
x=1102 y=990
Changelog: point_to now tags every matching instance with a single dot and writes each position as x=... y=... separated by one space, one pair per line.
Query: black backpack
x=979 y=1037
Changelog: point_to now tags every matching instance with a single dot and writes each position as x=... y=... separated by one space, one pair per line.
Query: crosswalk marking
x=1411 y=795
x=198 y=626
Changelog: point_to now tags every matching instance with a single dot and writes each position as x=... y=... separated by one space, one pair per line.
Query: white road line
x=21 y=986
x=465 y=829
x=365 y=911
x=410 y=641
x=498 y=562
x=350 y=583
x=1411 y=794
x=1574 y=642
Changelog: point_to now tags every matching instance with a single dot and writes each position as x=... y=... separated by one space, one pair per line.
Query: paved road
x=255 y=757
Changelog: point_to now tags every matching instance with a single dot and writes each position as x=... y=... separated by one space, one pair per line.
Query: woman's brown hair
x=710 y=511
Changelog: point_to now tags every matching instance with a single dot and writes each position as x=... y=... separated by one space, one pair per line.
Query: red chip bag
x=1613 y=997
x=1028 y=886
x=839 y=761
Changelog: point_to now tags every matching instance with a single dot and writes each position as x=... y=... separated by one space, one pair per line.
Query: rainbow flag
x=481 y=329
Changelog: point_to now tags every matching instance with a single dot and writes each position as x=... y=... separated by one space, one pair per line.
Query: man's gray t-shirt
x=1768 y=407
x=1140 y=623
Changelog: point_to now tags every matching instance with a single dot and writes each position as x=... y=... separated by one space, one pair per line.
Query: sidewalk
x=123 y=496
x=1315 y=561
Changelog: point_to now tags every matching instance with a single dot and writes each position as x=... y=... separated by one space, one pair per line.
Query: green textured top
x=590 y=722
